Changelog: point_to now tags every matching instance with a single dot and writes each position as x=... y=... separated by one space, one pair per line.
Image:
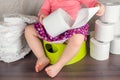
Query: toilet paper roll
x=115 y=46
x=117 y=29
x=57 y=22
x=99 y=50
x=112 y=13
x=104 y=31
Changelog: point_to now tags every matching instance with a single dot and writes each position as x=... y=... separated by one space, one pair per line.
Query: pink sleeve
x=89 y=3
x=45 y=9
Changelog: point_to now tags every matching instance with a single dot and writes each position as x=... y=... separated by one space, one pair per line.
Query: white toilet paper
x=117 y=29
x=57 y=22
x=104 y=31
x=112 y=13
x=99 y=50
x=60 y=21
x=115 y=46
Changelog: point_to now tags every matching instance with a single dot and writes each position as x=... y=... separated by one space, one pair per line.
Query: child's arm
x=89 y=3
x=44 y=11
x=41 y=17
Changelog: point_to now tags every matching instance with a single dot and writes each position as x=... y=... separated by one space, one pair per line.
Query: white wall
x=19 y=6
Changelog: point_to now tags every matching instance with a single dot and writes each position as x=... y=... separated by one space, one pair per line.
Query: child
x=75 y=36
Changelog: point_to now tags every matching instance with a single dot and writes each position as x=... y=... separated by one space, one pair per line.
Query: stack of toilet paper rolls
x=107 y=27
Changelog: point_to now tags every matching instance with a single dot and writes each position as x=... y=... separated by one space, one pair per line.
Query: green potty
x=54 y=51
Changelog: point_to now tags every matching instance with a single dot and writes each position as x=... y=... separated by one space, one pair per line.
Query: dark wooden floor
x=86 y=69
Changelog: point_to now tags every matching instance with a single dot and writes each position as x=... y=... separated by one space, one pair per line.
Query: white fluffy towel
x=13 y=45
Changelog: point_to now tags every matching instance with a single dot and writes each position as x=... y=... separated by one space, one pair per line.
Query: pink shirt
x=70 y=6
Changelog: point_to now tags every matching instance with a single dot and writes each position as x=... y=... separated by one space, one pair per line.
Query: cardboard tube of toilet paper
x=104 y=31
x=117 y=29
x=112 y=13
x=99 y=50
x=115 y=46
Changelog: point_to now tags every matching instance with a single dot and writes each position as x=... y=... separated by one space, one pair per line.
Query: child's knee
x=77 y=39
x=29 y=30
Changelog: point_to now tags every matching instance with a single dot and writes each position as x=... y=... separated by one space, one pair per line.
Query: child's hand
x=101 y=10
x=41 y=17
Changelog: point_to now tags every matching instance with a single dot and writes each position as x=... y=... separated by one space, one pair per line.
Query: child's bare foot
x=41 y=63
x=53 y=70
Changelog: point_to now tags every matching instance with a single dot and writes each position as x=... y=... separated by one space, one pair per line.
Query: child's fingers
x=101 y=11
x=41 y=18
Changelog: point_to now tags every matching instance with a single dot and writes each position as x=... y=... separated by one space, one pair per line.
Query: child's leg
x=35 y=44
x=70 y=51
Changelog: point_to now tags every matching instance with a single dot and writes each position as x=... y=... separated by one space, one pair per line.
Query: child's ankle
x=60 y=64
x=40 y=57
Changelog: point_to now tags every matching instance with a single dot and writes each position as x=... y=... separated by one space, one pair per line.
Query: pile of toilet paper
x=106 y=37
x=13 y=45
